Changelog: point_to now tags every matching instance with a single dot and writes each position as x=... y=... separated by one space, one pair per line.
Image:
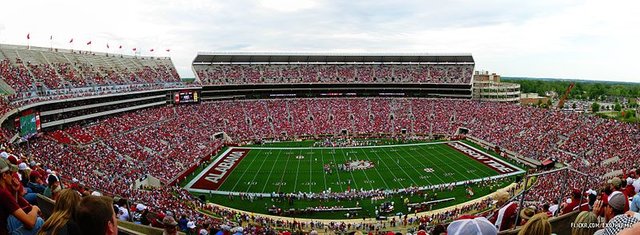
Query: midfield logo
x=360 y=164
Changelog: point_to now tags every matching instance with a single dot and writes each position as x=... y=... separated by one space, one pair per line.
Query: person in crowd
x=585 y=218
x=182 y=223
x=53 y=187
x=614 y=213
x=629 y=189
x=169 y=226
x=16 y=214
x=635 y=203
x=537 y=225
x=62 y=221
x=478 y=225
x=35 y=183
x=526 y=214
x=95 y=215
x=123 y=212
x=577 y=203
x=24 y=172
x=545 y=209
x=505 y=217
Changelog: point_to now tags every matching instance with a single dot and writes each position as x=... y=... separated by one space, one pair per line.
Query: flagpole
x=51 y=43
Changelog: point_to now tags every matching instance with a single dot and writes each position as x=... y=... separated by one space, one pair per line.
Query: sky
x=592 y=40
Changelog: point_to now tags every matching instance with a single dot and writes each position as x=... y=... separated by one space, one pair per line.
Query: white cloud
x=288 y=5
x=546 y=38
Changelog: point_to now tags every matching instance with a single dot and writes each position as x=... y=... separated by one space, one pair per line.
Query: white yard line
x=275 y=162
x=376 y=169
x=256 y=175
x=401 y=168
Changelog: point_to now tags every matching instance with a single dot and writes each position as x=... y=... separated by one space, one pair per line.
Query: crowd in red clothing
x=166 y=141
x=39 y=75
x=313 y=73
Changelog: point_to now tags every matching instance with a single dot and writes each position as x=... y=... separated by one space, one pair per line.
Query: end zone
x=498 y=165
x=216 y=173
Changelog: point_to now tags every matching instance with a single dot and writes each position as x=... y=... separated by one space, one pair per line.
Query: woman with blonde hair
x=585 y=224
x=537 y=225
x=62 y=221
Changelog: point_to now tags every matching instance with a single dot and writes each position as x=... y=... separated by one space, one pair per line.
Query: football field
x=264 y=170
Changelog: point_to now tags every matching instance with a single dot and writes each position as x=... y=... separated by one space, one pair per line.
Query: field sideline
x=264 y=170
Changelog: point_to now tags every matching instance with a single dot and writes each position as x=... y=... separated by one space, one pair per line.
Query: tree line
x=583 y=90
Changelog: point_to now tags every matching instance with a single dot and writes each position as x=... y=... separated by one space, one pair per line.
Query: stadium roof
x=253 y=57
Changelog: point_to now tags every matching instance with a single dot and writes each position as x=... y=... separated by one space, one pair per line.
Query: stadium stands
x=109 y=154
x=157 y=142
x=287 y=74
x=37 y=74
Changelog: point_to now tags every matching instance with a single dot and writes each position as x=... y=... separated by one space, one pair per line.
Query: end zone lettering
x=221 y=169
x=482 y=158
x=216 y=175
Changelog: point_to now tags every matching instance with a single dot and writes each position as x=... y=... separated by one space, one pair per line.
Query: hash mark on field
x=283 y=173
x=382 y=178
x=264 y=159
x=275 y=162
x=243 y=173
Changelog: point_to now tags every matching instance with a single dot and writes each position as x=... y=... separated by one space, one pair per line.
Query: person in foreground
x=62 y=221
x=537 y=225
x=16 y=215
x=95 y=215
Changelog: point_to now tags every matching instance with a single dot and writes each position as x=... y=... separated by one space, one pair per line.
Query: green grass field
x=279 y=169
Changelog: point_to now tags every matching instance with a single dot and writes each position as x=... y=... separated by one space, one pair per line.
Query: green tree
x=595 y=107
x=617 y=107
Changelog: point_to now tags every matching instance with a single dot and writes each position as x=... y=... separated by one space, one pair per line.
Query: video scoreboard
x=181 y=97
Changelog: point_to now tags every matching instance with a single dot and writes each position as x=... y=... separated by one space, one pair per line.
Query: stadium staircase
x=351 y=118
x=269 y=119
x=313 y=122
x=22 y=63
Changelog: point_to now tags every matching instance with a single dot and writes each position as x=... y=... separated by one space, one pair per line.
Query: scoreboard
x=182 y=97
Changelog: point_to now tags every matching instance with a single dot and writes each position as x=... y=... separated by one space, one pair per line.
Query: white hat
x=4 y=155
x=141 y=207
x=74 y=180
x=48 y=171
x=629 y=181
x=478 y=225
x=96 y=193
x=191 y=224
x=22 y=166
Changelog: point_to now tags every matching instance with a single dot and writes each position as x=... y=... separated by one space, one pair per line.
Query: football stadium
x=277 y=142
x=119 y=141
